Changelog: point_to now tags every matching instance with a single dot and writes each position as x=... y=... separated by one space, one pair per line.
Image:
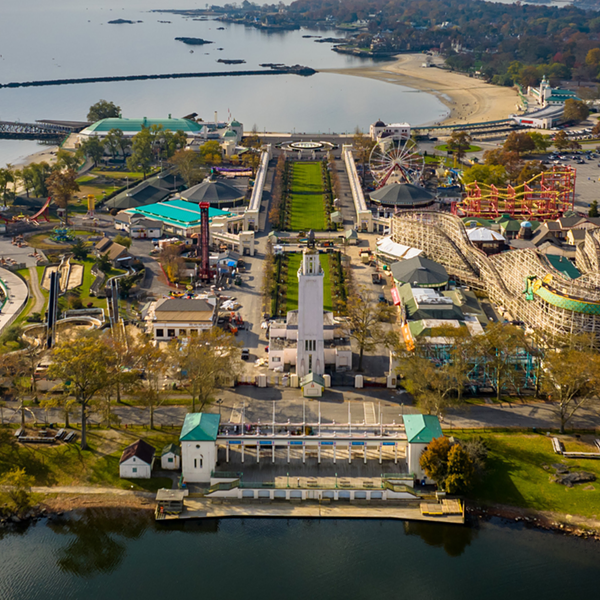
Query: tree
x=498 y=349
x=62 y=185
x=141 y=152
x=39 y=177
x=63 y=401
x=7 y=179
x=593 y=212
x=93 y=149
x=575 y=110
x=529 y=77
x=204 y=362
x=115 y=141
x=251 y=160
x=123 y=240
x=103 y=109
x=490 y=175
x=66 y=160
x=151 y=360
x=521 y=143
x=211 y=153
x=104 y=264
x=79 y=249
x=530 y=169
x=561 y=140
x=596 y=129
x=571 y=379
x=26 y=175
x=592 y=58
x=15 y=489
x=363 y=324
x=448 y=464
x=541 y=142
x=81 y=364
x=172 y=261
x=188 y=165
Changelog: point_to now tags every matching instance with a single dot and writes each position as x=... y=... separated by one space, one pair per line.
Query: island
x=193 y=41
x=123 y=22
x=235 y=61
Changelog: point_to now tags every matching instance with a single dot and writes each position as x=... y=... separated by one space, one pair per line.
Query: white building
x=137 y=461
x=180 y=317
x=395 y=131
x=170 y=458
x=420 y=430
x=198 y=446
x=309 y=338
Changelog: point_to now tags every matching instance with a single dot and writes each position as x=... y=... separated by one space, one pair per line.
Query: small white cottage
x=170 y=457
x=137 y=461
x=312 y=385
x=198 y=446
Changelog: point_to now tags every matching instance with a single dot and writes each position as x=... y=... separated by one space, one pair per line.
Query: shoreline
x=61 y=504
x=468 y=99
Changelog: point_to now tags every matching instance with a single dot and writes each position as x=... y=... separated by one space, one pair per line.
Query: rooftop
x=420 y=272
x=421 y=429
x=200 y=427
x=135 y=125
x=140 y=449
x=178 y=213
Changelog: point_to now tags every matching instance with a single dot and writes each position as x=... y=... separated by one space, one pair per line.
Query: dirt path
x=35 y=290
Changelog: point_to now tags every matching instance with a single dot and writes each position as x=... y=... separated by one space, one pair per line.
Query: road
x=362 y=406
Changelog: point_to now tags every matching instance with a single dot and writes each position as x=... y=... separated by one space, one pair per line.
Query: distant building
x=137 y=461
x=118 y=255
x=170 y=458
x=395 y=131
x=180 y=317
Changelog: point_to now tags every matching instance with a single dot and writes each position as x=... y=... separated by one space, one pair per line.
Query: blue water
x=68 y=38
x=105 y=554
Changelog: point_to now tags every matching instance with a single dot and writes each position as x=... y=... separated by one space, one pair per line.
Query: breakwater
x=294 y=70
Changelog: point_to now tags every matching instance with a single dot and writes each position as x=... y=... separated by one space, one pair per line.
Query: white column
x=334 y=448
x=319 y=453
x=380 y=452
x=226 y=452
x=365 y=453
x=349 y=453
x=257 y=452
x=242 y=452
x=303 y=453
x=273 y=451
x=288 y=453
x=395 y=453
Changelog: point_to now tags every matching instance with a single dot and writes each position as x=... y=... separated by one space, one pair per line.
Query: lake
x=110 y=554
x=68 y=38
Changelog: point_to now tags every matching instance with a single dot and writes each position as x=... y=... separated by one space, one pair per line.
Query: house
x=312 y=385
x=170 y=457
x=198 y=446
x=179 y=317
x=118 y=255
x=137 y=226
x=137 y=461
x=420 y=430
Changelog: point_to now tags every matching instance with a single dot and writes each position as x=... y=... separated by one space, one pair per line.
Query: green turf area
x=306 y=202
x=292 y=282
x=67 y=464
x=444 y=148
x=516 y=476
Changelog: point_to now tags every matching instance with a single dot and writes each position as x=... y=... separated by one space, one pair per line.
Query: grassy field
x=307 y=205
x=519 y=472
x=292 y=282
x=67 y=464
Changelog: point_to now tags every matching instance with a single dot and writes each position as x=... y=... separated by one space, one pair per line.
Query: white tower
x=310 y=356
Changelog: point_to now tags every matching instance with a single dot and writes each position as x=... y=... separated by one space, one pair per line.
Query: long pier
x=40 y=130
x=304 y=71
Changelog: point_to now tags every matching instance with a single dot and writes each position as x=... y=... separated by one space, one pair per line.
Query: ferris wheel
x=396 y=161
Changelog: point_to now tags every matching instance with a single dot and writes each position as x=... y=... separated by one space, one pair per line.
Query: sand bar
x=470 y=100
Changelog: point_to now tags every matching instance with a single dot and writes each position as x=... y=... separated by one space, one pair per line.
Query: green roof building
x=130 y=127
x=421 y=429
x=200 y=427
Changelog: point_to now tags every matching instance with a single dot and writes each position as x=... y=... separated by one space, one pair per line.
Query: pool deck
x=200 y=508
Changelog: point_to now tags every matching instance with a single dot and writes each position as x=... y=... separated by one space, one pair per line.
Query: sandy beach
x=470 y=100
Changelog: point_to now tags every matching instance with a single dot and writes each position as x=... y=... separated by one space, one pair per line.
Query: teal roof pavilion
x=132 y=126
x=421 y=429
x=200 y=427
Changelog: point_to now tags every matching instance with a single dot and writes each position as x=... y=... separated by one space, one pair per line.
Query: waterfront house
x=198 y=446
x=420 y=430
x=137 y=461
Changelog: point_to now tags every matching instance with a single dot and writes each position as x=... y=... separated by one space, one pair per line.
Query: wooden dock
x=450 y=512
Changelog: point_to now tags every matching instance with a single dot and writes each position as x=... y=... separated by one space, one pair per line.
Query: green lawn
x=516 y=475
x=306 y=202
x=292 y=282
x=67 y=464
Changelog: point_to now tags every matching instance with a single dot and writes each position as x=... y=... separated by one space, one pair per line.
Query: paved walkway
x=17 y=297
x=34 y=285
x=197 y=508
x=83 y=489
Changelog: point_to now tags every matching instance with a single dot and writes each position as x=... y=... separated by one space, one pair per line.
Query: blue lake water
x=68 y=38
x=107 y=554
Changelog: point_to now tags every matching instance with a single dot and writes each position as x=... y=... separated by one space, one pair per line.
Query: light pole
x=219 y=402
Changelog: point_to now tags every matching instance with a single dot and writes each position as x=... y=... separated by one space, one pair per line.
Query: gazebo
x=402 y=195
x=217 y=193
